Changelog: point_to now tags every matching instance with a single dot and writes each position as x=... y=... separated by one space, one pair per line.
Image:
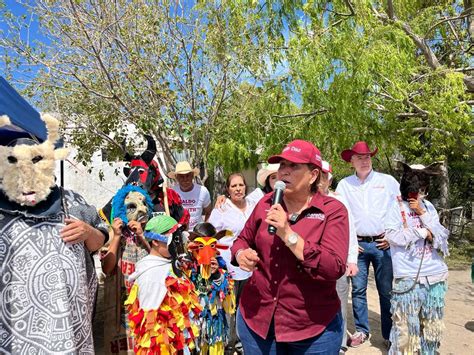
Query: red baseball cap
x=299 y=151
x=358 y=148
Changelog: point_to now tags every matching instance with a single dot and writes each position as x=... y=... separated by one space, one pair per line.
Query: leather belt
x=369 y=239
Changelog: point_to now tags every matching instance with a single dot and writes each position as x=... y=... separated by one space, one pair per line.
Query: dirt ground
x=458 y=337
x=459 y=319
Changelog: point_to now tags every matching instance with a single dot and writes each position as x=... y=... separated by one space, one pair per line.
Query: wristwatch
x=292 y=239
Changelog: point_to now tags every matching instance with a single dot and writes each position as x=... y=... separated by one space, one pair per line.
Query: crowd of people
x=266 y=272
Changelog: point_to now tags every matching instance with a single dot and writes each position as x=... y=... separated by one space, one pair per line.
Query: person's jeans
x=327 y=343
x=382 y=263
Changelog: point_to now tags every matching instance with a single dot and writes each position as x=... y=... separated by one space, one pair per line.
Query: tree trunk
x=444 y=191
x=469 y=22
x=219 y=182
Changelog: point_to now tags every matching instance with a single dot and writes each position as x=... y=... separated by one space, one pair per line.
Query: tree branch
x=426 y=129
x=419 y=41
x=390 y=10
x=306 y=114
x=351 y=10
x=464 y=70
x=446 y=19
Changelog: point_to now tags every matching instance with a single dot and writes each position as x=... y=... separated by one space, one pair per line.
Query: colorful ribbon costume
x=163 y=308
x=215 y=287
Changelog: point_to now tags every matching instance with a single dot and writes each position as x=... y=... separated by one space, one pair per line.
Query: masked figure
x=131 y=209
x=143 y=171
x=47 y=277
x=418 y=243
x=214 y=285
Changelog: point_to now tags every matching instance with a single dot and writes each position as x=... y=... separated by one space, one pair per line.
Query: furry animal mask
x=417 y=177
x=410 y=184
x=27 y=167
x=132 y=203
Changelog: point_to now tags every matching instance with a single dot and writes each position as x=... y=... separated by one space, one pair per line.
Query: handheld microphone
x=277 y=197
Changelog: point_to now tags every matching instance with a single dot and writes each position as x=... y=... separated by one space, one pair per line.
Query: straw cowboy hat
x=183 y=167
x=265 y=172
x=358 y=148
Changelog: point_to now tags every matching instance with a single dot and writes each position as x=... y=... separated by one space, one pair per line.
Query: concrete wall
x=86 y=181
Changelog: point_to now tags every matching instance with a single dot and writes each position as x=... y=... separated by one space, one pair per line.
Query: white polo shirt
x=369 y=201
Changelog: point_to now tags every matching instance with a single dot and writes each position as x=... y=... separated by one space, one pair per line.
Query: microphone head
x=280 y=185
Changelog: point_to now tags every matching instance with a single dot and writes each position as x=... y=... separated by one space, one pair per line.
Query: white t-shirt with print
x=194 y=201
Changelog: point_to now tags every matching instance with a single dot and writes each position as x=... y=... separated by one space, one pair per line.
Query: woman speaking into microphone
x=290 y=304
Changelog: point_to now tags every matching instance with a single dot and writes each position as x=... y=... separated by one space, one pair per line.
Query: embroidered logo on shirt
x=378 y=187
x=319 y=216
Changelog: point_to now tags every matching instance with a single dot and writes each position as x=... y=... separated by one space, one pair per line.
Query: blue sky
x=16 y=9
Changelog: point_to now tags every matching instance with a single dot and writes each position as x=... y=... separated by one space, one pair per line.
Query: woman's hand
x=429 y=236
x=247 y=259
x=220 y=200
x=415 y=206
x=382 y=244
x=277 y=217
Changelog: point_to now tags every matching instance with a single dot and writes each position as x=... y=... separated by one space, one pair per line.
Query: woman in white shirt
x=232 y=211
x=342 y=285
x=232 y=215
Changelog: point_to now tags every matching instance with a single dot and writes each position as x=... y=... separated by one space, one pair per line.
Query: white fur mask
x=27 y=171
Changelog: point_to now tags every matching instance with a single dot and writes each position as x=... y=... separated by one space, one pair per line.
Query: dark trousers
x=326 y=343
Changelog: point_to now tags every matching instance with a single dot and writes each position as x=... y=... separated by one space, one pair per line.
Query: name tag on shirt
x=319 y=216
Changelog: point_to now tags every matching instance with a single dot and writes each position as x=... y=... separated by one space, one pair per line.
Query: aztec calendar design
x=47 y=290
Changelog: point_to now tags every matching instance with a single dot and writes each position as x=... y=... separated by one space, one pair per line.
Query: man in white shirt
x=196 y=198
x=369 y=195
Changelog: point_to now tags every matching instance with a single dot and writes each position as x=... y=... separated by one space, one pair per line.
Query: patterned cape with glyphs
x=47 y=287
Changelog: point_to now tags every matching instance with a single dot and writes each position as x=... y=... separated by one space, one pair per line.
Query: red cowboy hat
x=358 y=148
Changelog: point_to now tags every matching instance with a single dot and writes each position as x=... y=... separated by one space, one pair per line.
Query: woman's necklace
x=297 y=212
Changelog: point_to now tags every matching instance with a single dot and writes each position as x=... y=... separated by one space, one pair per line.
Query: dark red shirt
x=300 y=295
